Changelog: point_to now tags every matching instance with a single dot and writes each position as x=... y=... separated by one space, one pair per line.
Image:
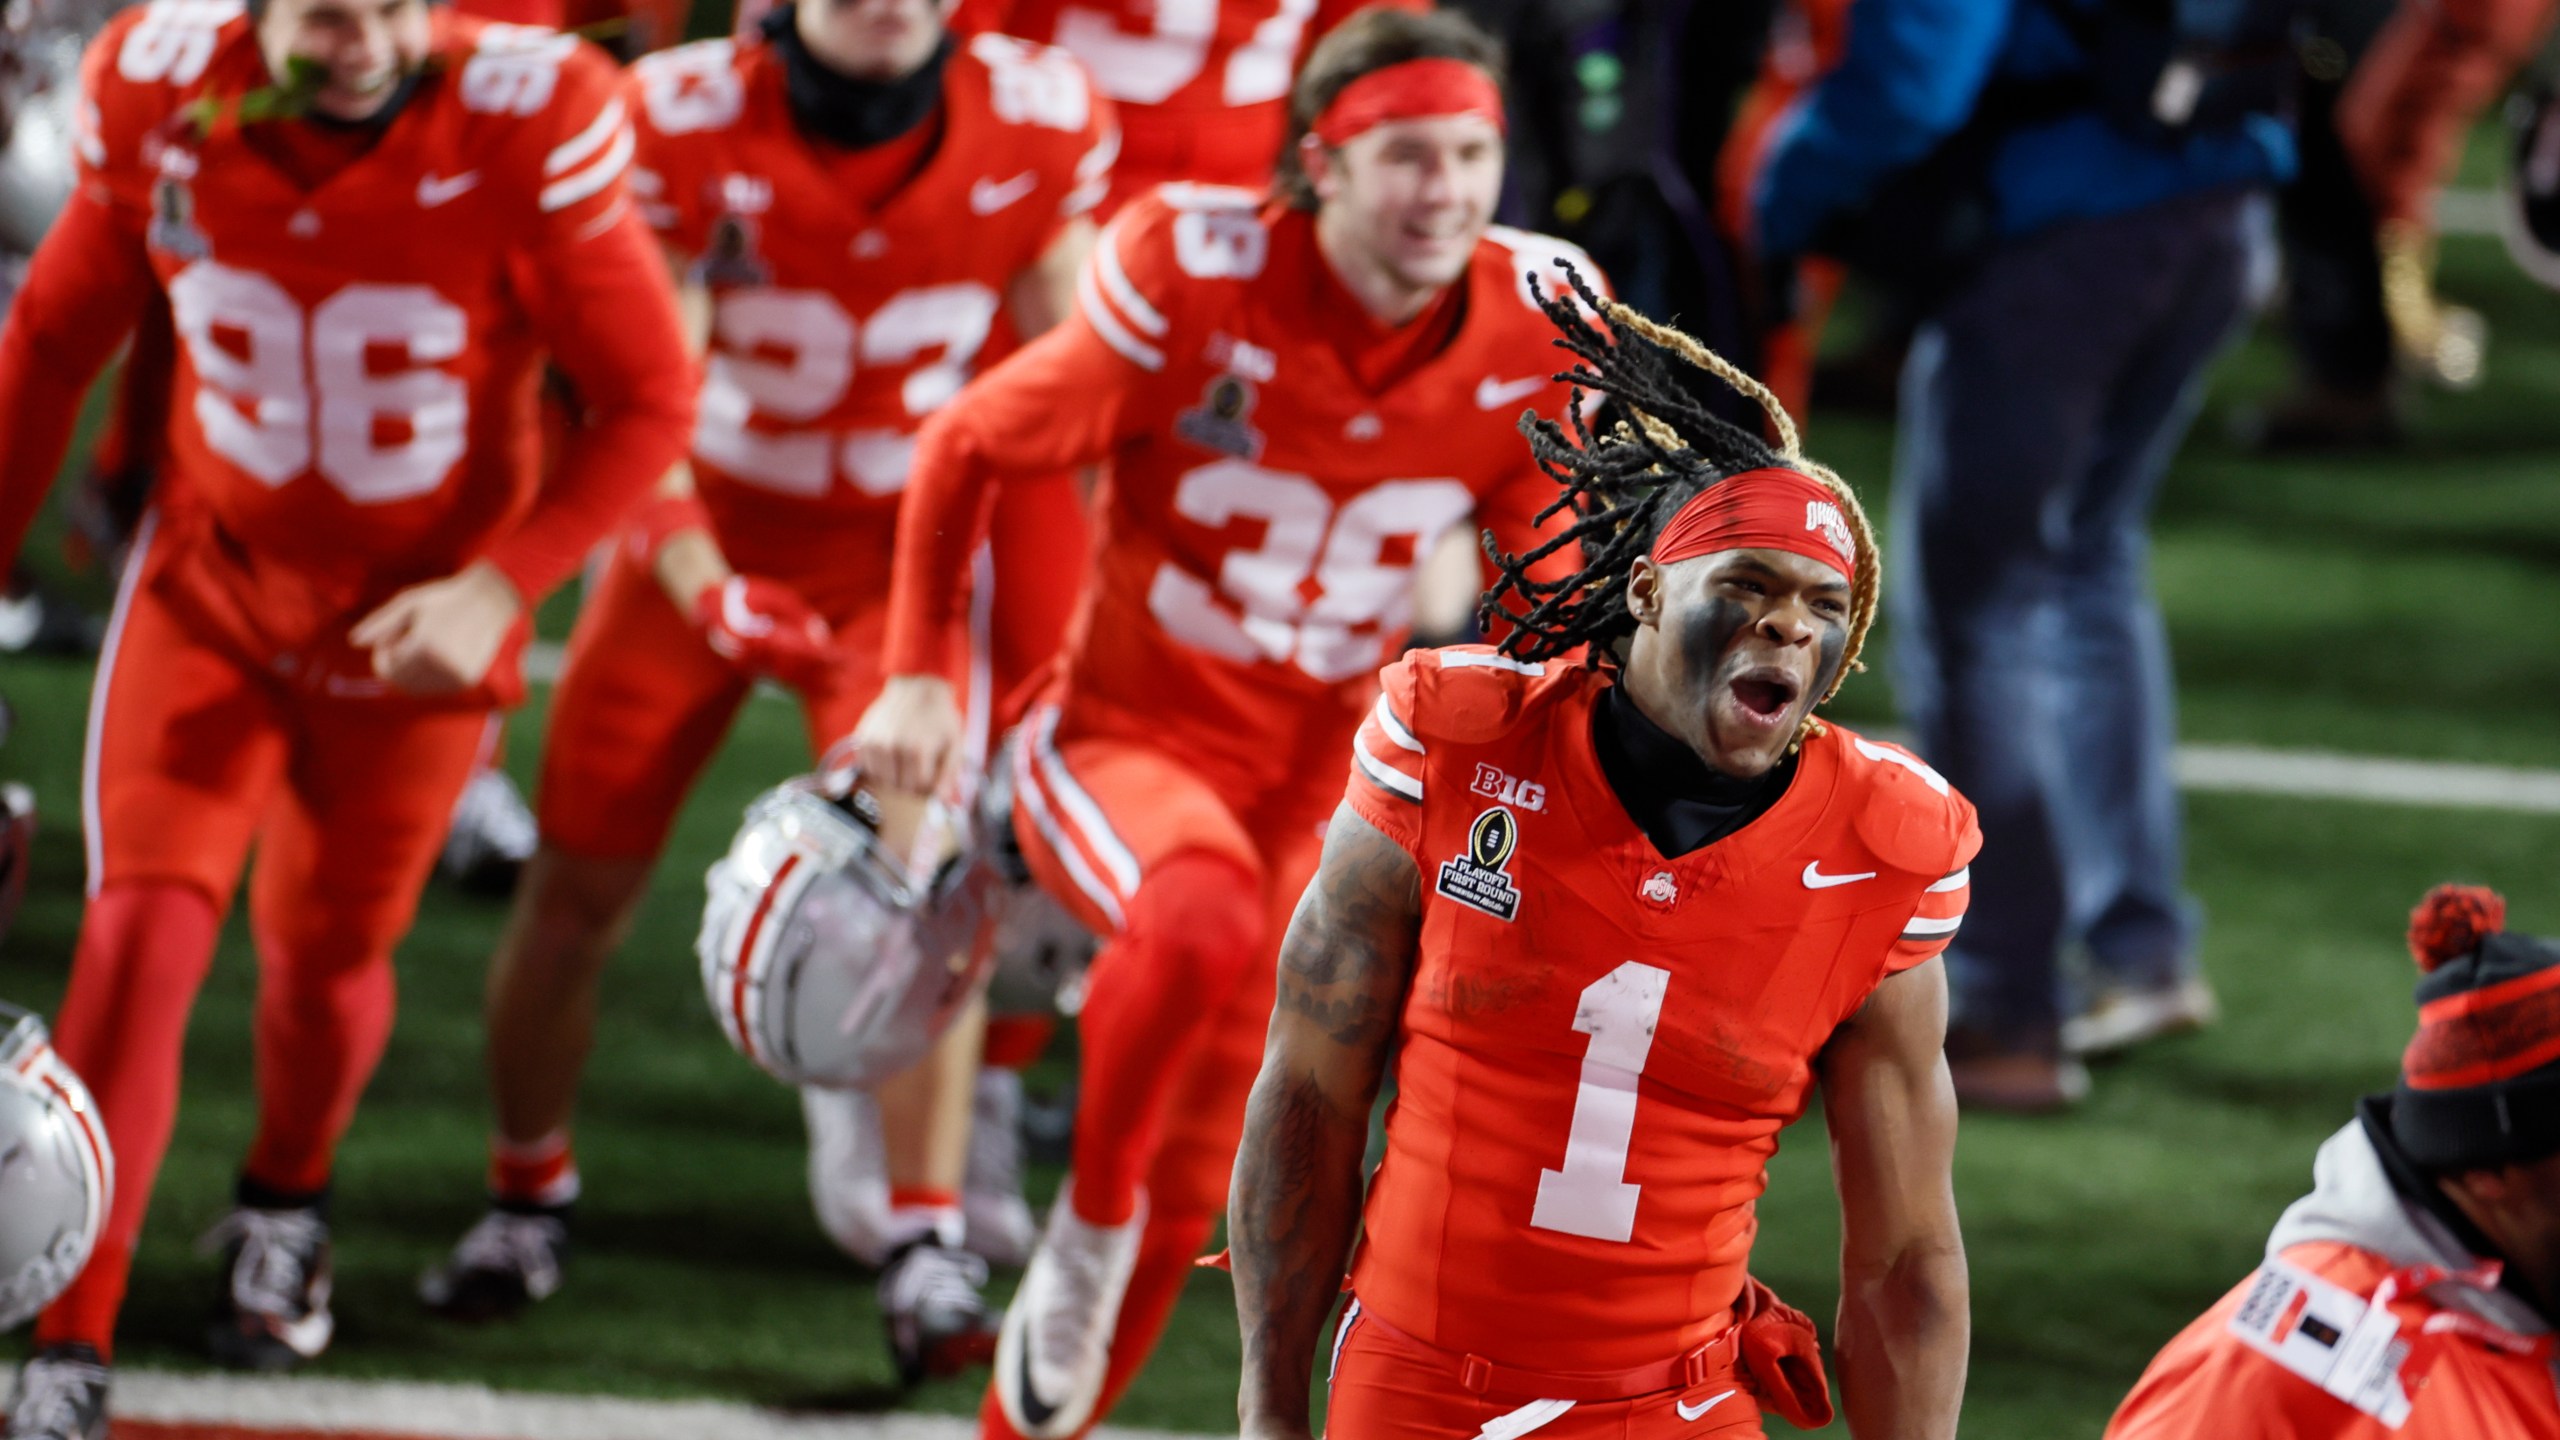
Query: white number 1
x=1590 y=1196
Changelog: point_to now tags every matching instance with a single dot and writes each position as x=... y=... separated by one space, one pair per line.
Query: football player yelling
x=1614 y=918
x=853 y=203
x=366 y=263
x=1295 y=398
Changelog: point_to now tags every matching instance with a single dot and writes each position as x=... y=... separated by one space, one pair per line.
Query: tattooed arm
x=1343 y=971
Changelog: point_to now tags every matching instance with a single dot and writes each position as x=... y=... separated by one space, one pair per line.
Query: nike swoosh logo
x=1493 y=392
x=1704 y=1406
x=986 y=197
x=1814 y=879
x=434 y=190
x=1036 y=1412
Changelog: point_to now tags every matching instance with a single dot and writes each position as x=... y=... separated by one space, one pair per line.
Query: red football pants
x=1387 y=1386
x=1190 y=874
x=193 y=756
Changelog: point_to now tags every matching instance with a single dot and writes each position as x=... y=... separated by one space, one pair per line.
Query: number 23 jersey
x=1601 y=1044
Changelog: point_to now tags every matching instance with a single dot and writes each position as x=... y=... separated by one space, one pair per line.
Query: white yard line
x=2471 y=212
x=473 y=1412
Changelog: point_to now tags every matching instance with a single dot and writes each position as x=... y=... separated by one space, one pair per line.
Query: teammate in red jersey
x=327 y=602
x=1294 y=399
x=1202 y=85
x=854 y=200
x=1615 y=917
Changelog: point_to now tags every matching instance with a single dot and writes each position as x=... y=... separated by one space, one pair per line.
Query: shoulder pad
x=1039 y=86
x=1473 y=694
x=139 y=69
x=690 y=89
x=1907 y=813
x=1533 y=260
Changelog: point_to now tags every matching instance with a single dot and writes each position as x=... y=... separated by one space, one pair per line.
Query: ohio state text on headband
x=1771 y=509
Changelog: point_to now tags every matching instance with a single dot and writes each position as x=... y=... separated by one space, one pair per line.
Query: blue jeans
x=2041 y=406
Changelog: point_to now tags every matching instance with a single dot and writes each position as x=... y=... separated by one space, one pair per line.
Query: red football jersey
x=1601 y=1044
x=355 y=392
x=1203 y=84
x=839 y=325
x=1265 y=509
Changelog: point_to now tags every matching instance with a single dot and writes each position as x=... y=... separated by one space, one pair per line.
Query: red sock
x=1165 y=1253
x=324 y=1016
x=143 y=952
x=1014 y=1041
x=543 y=1173
x=1194 y=927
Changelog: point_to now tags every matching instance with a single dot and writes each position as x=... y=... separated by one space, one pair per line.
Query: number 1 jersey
x=1601 y=1044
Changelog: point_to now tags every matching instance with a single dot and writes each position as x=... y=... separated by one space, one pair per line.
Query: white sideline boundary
x=474 y=1412
x=2222 y=770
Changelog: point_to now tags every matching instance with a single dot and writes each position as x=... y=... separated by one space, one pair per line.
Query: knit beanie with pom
x=2480 y=1081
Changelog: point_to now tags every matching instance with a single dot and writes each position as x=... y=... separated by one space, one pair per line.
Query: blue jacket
x=1911 y=76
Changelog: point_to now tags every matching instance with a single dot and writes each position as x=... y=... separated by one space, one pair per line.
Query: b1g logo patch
x=1477 y=879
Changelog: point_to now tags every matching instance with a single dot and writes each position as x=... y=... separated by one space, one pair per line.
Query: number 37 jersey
x=1601 y=1044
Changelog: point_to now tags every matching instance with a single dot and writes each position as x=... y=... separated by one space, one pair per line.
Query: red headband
x=1408 y=90
x=1762 y=510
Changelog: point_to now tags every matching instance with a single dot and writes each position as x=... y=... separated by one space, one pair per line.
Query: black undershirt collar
x=840 y=109
x=1680 y=802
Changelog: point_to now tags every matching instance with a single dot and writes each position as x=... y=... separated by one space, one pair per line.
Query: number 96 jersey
x=1601 y=1044
x=359 y=347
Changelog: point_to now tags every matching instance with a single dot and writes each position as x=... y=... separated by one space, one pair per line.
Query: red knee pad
x=1202 y=912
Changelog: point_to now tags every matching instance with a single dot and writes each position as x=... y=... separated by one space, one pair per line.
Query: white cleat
x=1054 y=1351
x=1000 y=1226
x=2119 y=1020
x=848 y=1172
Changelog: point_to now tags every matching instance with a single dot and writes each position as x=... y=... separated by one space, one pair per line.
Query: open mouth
x=1765 y=695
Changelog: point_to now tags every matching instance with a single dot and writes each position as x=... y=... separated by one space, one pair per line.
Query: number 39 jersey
x=1601 y=1044
x=355 y=397
x=840 y=320
x=1265 y=506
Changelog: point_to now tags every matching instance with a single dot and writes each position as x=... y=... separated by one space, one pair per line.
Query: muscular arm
x=1344 y=967
x=1904 y=1322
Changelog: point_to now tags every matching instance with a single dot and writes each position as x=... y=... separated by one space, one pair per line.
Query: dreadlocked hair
x=1622 y=483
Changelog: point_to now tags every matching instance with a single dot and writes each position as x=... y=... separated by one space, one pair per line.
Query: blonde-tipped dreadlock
x=1622 y=485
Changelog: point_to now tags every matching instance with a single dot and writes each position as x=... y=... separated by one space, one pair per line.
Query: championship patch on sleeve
x=2328 y=1335
x=1480 y=878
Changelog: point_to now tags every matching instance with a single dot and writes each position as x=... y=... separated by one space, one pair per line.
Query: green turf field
x=2403 y=604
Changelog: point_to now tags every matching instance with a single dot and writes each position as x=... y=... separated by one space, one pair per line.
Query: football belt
x=57 y=1175
x=827 y=961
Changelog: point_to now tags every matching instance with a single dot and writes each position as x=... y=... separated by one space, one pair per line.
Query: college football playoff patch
x=1477 y=879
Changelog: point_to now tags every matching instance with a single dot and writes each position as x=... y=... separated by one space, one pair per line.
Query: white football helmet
x=826 y=960
x=57 y=1175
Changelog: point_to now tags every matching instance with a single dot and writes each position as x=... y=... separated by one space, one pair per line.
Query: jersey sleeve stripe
x=1385 y=777
x=1487 y=660
x=1387 y=721
x=1093 y=175
x=1124 y=293
x=574 y=151
x=1097 y=313
x=1956 y=881
x=577 y=186
x=1921 y=927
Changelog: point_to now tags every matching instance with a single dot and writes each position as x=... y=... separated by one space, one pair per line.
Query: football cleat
x=938 y=1322
x=825 y=959
x=56 y=1172
x=61 y=1394
x=848 y=1172
x=491 y=836
x=501 y=1266
x=1053 y=1352
x=273 y=1311
x=998 y=1221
